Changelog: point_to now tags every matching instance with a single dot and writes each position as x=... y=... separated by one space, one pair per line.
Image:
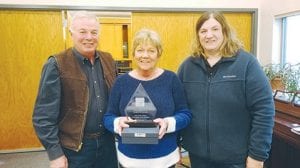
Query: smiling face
x=146 y=56
x=85 y=33
x=211 y=36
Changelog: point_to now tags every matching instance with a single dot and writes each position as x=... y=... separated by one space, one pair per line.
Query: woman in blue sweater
x=166 y=93
x=230 y=99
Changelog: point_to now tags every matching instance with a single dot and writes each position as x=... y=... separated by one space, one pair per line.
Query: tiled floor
x=24 y=160
x=40 y=160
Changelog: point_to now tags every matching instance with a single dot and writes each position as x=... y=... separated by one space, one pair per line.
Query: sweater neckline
x=158 y=77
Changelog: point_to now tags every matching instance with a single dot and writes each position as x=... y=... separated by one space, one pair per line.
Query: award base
x=140 y=135
x=142 y=124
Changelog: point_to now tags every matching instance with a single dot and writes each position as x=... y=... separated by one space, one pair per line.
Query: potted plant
x=283 y=77
x=291 y=77
x=284 y=80
x=274 y=74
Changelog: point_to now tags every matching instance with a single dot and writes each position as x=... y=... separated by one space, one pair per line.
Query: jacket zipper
x=210 y=75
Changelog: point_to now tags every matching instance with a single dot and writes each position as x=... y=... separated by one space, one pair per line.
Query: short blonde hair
x=147 y=36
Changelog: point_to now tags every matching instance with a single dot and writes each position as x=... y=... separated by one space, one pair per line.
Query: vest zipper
x=83 y=125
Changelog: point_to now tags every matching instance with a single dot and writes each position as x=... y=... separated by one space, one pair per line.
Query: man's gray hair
x=81 y=14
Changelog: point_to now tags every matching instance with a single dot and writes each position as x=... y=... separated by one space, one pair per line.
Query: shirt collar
x=80 y=57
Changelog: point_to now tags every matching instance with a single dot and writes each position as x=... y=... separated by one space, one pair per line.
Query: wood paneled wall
x=27 y=40
x=177 y=30
x=242 y=24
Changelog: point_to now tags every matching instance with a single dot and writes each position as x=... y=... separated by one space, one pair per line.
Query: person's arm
x=47 y=109
x=252 y=163
x=111 y=116
x=182 y=115
x=260 y=103
x=61 y=162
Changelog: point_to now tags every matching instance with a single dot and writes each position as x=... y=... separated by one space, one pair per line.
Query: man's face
x=85 y=33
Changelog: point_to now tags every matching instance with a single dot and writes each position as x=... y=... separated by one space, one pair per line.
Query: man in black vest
x=72 y=98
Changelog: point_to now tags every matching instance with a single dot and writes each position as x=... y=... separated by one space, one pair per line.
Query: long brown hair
x=230 y=44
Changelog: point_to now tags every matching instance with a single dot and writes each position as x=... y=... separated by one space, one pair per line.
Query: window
x=286 y=40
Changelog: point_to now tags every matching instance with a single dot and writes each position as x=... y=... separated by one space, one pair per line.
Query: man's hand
x=252 y=163
x=61 y=162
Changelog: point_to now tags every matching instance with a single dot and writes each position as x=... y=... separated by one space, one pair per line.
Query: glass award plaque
x=142 y=130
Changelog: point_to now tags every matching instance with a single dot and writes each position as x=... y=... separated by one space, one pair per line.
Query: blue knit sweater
x=167 y=94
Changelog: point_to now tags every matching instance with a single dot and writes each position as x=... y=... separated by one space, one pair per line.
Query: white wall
x=144 y=3
x=267 y=10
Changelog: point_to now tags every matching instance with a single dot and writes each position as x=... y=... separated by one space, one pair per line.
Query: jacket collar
x=199 y=60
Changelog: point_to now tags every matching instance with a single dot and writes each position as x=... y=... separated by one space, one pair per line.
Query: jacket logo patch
x=229 y=76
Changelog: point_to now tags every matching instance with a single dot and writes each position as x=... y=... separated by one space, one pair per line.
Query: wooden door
x=28 y=38
x=112 y=33
x=114 y=36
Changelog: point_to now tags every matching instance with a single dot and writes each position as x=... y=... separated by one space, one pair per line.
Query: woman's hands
x=123 y=123
x=163 y=126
